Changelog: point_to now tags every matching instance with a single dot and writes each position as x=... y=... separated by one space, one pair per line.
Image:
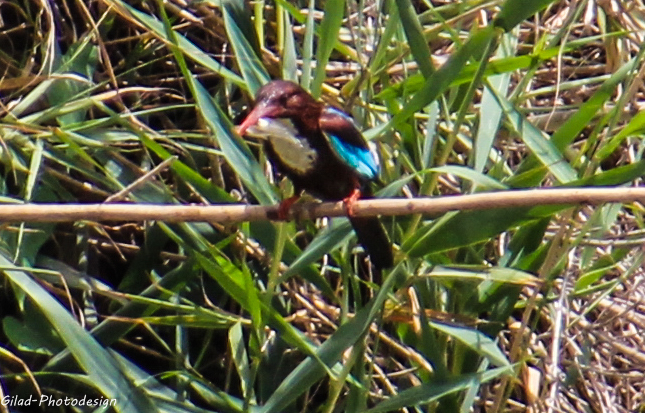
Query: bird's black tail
x=372 y=236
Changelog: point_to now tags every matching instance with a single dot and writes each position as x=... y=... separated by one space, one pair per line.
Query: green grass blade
x=248 y=61
x=474 y=340
x=289 y=55
x=231 y=280
x=491 y=274
x=464 y=228
x=415 y=82
x=635 y=126
x=414 y=33
x=583 y=116
x=235 y=150
x=537 y=141
x=440 y=80
x=201 y=184
x=81 y=59
x=241 y=360
x=324 y=242
x=308 y=47
x=186 y=46
x=330 y=352
x=515 y=11
x=110 y=330
x=491 y=113
x=327 y=38
x=97 y=362
x=429 y=392
x=266 y=234
x=459 y=229
x=482 y=181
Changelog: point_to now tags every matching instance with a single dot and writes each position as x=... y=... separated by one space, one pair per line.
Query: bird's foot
x=350 y=200
x=285 y=205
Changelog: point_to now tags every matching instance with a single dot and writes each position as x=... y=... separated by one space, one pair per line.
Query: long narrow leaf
x=414 y=34
x=327 y=38
x=189 y=48
x=432 y=391
x=330 y=352
x=515 y=11
x=235 y=150
x=440 y=80
x=250 y=64
x=99 y=365
x=537 y=141
x=491 y=113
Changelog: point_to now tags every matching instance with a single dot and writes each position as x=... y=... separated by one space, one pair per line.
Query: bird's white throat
x=293 y=150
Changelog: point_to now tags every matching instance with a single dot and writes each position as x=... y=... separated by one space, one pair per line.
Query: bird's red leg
x=285 y=205
x=350 y=200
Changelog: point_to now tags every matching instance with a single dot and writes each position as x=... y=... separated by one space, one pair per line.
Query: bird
x=320 y=149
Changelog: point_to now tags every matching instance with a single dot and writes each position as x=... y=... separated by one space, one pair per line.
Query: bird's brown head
x=283 y=99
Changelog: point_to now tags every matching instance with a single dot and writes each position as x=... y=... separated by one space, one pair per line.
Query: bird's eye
x=293 y=101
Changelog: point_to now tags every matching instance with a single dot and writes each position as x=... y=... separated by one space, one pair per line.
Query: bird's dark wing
x=348 y=143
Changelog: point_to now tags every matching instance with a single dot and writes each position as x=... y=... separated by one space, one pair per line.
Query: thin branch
x=238 y=213
x=140 y=181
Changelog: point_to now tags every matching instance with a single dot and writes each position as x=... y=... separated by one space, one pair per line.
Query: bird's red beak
x=259 y=111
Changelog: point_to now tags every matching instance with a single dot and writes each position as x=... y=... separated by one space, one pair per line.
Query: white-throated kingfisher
x=322 y=151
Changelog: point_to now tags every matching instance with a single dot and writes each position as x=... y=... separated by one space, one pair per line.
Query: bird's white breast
x=292 y=150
